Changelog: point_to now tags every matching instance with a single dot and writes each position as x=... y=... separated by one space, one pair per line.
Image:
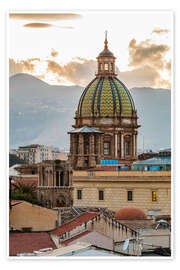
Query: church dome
x=106 y=96
x=130 y=212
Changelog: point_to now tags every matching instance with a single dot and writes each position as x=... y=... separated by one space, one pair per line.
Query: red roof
x=29 y=242
x=85 y=217
x=130 y=212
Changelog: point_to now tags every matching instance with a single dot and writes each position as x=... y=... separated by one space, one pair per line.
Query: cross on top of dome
x=105 y=42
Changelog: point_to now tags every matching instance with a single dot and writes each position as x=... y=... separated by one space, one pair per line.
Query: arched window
x=127 y=148
x=62 y=179
x=106 y=67
x=86 y=144
x=57 y=178
x=106 y=148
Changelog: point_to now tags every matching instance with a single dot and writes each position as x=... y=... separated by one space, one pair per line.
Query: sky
x=61 y=48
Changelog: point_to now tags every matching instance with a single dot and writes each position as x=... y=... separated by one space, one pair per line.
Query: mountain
x=154 y=111
x=43 y=113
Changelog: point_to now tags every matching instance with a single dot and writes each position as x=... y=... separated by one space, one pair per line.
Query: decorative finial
x=106 y=42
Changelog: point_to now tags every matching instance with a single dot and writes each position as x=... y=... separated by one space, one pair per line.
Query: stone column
x=48 y=180
x=92 y=161
x=136 y=145
x=40 y=176
x=102 y=146
x=80 y=161
x=116 y=145
x=99 y=148
x=122 y=145
x=54 y=178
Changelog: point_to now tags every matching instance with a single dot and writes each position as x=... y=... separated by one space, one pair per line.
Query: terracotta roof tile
x=85 y=217
x=29 y=242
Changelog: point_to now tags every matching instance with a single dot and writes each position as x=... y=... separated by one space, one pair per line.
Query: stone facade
x=55 y=184
x=115 y=186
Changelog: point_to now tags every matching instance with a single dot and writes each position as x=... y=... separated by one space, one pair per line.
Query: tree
x=25 y=192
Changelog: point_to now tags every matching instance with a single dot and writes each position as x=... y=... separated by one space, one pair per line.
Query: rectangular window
x=101 y=195
x=106 y=148
x=130 y=195
x=79 y=194
x=154 y=196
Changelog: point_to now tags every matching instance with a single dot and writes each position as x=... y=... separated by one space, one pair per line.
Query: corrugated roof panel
x=85 y=129
x=154 y=161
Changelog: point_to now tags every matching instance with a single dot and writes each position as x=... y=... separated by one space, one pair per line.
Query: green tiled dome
x=105 y=97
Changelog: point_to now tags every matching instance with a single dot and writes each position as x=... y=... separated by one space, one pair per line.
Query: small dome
x=106 y=53
x=130 y=212
x=105 y=97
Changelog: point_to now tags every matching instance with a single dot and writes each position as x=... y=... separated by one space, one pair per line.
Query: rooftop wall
x=121 y=173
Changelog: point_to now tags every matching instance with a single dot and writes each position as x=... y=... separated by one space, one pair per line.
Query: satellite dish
x=126 y=244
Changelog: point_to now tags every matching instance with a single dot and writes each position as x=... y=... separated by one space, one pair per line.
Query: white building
x=34 y=153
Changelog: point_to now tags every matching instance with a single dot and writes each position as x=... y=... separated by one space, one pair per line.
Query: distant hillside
x=154 y=111
x=42 y=113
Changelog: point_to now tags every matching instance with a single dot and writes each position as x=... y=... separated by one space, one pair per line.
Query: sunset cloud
x=140 y=77
x=54 y=53
x=160 y=31
x=168 y=67
x=45 y=25
x=22 y=66
x=146 y=53
x=81 y=73
x=37 y=25
x=44 y=17
x=75 y=72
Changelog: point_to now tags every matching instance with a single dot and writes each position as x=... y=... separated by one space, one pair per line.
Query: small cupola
x=106 y=61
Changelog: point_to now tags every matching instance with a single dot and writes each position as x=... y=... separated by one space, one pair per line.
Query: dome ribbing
x=106 y=96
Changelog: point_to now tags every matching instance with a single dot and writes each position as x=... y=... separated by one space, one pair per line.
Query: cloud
x=44 y=16
x=75 y=72
x=81 y=73
x=54 y=53
x=163 y=83
x=45 y=25
x=37 y=25
x=22 y=66
x=160 y=31
x=140 y=77
x=146 y=53
x=168 y=67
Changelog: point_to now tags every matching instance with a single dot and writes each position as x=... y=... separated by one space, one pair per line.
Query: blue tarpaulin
x=109 y=162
